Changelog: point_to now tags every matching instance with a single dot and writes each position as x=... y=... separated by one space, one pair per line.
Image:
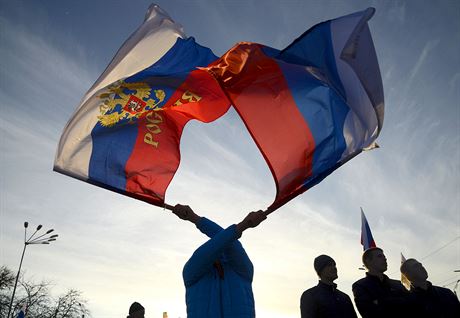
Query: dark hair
x=404 y=265
x=135 y=307
x=368 y=254
x=321 y=262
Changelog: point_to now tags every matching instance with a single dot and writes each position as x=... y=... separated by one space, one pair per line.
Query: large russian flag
x=125 y=134
x=312 y=106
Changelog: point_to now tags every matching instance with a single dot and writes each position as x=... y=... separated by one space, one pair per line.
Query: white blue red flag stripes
x=367 y=241
x=310 y=107
x=125 y=134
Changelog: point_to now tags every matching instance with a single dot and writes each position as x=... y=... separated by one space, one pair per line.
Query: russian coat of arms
x=126 y=102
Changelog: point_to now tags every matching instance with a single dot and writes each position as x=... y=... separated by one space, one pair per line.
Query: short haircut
x=368 y=254
x=404 y=265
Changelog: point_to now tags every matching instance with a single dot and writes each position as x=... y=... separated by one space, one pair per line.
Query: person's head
x=414 y=270
x=325 y=268
x=374 y=260
x=136 y=310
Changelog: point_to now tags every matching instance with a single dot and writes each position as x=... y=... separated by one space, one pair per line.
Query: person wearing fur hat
x=325 y=300
x=136 y=310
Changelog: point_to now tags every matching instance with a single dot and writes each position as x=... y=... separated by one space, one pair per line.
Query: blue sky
x=118 y=250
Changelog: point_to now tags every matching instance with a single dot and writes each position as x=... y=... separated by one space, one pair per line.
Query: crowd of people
x=376 y=295
x=218 y=281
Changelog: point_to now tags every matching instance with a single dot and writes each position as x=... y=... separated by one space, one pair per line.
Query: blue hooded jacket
x=208 y=295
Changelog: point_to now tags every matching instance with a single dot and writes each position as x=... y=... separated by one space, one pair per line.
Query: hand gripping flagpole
x=266 y=212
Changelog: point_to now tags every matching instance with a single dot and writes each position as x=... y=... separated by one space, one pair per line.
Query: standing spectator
x=376 y=295
x=325 y=300
x=431 y=301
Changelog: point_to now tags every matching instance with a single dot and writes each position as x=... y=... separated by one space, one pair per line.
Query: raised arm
x=206 y=226
x=204 y=257
x=185 y=212
x=221 y=241
x=251 y=220
x=236 y=255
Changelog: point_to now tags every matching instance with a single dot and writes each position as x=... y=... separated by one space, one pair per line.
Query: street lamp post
x=41 y=239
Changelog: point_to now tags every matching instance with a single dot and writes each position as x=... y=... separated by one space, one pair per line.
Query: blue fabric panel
x=324 y=112
x=112 y=146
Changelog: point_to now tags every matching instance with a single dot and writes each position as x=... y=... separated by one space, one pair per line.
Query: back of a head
x=405 y=266
x=136 y=310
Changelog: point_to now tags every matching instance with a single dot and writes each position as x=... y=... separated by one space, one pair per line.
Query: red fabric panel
x=260 y=94
x=199 y=97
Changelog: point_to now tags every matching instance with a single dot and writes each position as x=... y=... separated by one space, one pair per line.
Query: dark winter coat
x=381 y=299
x=435 y=302
x=326 y=301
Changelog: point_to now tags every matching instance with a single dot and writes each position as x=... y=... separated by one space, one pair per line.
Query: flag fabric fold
x=367 y=241
x=158 y=31
x=310 y=107
x=125 y=135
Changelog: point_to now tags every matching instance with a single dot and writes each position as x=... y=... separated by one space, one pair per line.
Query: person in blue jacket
x=218 y=276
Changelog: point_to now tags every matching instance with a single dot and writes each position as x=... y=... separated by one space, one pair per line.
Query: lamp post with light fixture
x=41 y=239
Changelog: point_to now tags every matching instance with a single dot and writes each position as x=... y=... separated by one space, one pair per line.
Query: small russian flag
x=367 y=241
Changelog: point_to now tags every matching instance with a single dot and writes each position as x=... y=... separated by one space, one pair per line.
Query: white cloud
x=408 y=188
x=429 y=46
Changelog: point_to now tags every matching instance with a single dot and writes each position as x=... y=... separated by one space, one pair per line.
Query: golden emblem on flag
x=128 y=101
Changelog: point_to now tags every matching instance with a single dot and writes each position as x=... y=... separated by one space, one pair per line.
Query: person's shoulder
x=204 y=221
x=310 y=292
x=360 y=282
x=342 y=294
x=394 y=283
x=443 y=291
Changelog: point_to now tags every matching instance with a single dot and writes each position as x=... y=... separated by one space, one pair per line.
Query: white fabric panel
x=361 y=124
x=74 y=149
x=144 y=47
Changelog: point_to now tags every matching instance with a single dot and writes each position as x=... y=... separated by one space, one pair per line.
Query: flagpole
x=269 y=210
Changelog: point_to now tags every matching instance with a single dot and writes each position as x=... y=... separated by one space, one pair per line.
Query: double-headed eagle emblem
x=127 y=102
